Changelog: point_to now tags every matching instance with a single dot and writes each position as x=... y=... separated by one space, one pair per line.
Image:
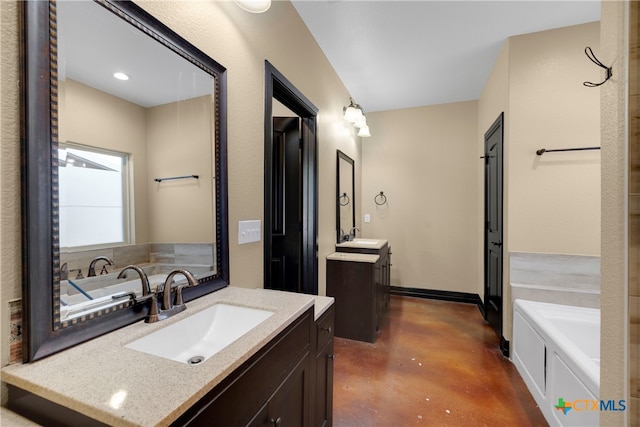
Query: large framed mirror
x=345 y=196
x=115 y=172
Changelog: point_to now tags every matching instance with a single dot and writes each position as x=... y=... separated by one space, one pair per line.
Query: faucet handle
x=152 y=315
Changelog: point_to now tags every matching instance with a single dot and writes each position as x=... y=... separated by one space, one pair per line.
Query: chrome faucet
x=146 y=292
x=92 y=266
x=352 y=233
x=169 y=308
x=166 y=290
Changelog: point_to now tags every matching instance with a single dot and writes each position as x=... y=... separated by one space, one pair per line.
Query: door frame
x=497 y=126
x=278 y=87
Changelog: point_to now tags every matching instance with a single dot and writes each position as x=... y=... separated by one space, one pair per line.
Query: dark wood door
x=286 y=205
x=493 y=144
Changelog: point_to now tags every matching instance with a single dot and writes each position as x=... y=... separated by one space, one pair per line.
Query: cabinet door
x=288 y=406
x=324 y=387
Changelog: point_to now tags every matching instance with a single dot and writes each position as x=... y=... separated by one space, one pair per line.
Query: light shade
x=364 y=132
x=254 y=6
x=352 y=114
x=361 y=121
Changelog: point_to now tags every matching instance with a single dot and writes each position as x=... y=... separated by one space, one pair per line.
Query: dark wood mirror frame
x=341 y=156
x=42 y=336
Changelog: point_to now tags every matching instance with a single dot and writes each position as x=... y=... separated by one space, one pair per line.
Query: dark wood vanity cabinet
x=362 y=293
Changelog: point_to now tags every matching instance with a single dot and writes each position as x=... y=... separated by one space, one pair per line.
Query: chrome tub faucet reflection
x=92 y=266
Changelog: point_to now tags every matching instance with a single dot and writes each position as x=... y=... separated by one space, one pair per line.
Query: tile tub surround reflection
x=201 y=254
x=555 y=278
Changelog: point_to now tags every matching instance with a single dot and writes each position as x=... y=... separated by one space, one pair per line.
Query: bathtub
x=556 y=350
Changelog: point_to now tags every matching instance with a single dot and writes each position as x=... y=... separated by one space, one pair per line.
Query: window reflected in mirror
x=94 y=196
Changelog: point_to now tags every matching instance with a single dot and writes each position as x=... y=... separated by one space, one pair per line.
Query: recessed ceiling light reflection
x=121 y=76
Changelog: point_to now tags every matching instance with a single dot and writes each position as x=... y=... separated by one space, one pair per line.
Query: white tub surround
x=555 y=278
x=123 y=387
x=556 y=349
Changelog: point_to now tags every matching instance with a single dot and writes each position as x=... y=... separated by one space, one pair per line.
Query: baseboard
x=462 y=297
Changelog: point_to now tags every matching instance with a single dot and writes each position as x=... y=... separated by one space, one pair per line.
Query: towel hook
x=344 y=196
x=592 y=57
x=382 y=199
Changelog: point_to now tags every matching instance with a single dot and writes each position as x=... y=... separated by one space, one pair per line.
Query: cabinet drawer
x=325 y=327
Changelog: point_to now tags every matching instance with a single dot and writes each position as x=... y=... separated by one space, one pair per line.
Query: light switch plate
x=248 y=231
x=367 y=218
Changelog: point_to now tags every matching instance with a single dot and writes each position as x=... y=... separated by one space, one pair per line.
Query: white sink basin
x=198 y=337
x=365 y=241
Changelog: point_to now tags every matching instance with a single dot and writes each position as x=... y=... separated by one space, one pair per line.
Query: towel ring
x=380 y=199
x=344 y=196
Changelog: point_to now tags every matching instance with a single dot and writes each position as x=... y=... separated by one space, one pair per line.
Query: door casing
x=278 y=87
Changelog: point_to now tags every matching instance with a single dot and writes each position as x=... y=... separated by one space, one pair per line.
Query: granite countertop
x=321 y=305
x=353 y=257
x=361 y=243
x=123 y=387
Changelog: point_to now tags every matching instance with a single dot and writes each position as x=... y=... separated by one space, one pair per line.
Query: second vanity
x=358 y=277
x=254 y=380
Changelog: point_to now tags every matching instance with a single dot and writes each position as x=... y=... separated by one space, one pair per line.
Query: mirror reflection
x=136 y=160
x=345 y=204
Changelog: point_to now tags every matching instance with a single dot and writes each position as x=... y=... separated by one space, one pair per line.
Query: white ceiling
x=93 y=43
x=400 y=54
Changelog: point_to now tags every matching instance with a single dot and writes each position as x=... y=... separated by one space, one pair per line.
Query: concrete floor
x=436 y=364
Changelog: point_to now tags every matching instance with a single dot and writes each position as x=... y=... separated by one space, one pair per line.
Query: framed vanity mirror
x=345 y=196
x=116 y=172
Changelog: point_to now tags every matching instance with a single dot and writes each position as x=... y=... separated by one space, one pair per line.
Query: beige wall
x=554 y=199
x=425 y=161
x=10 y=232
x=179 y=143
x=94 y=118
x=169 y=140
x=614 y=339
x=552 y=202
